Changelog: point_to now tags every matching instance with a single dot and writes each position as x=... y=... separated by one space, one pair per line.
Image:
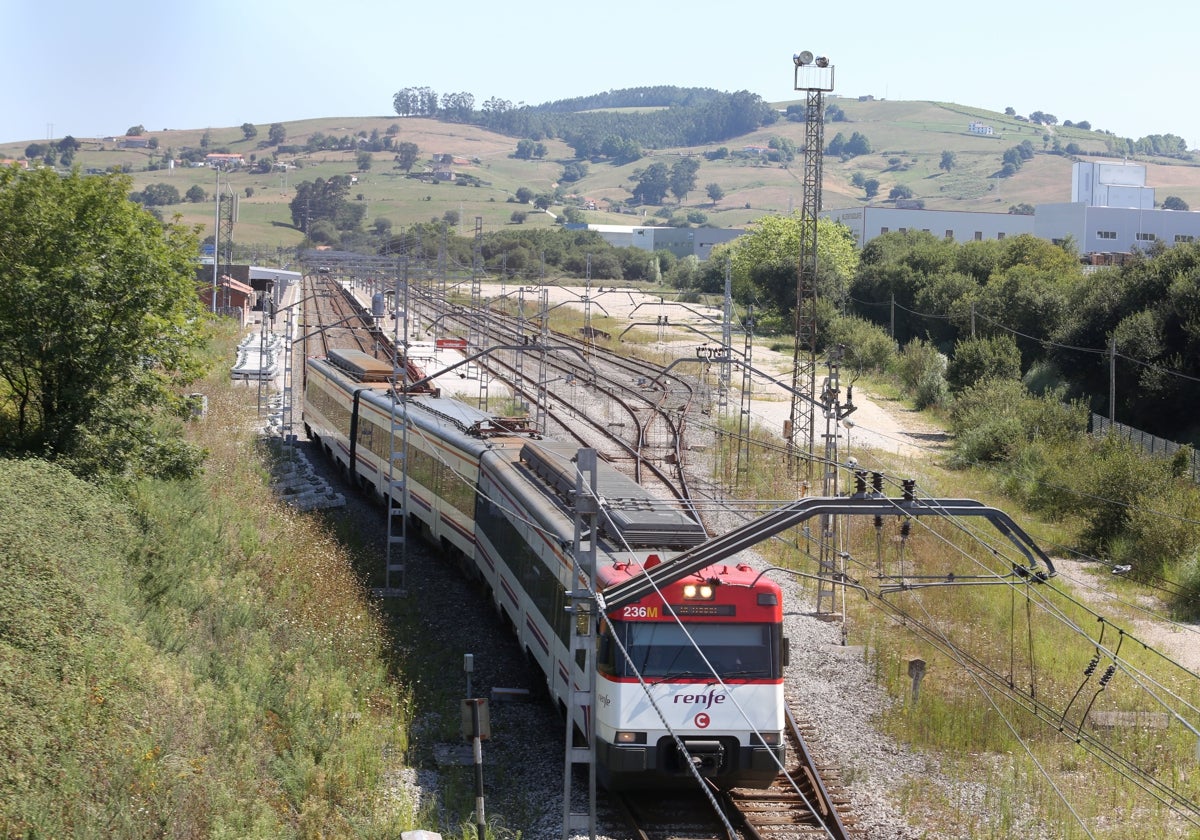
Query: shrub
x=977 y=359
x=1187 y=601
x=998 y=418
x=922 y=370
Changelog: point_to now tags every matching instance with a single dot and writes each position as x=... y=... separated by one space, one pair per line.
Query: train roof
x=729 y=573
x=633 y=516
x=362 y=366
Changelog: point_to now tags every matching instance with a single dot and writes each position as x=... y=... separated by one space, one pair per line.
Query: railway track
x=807 y=799
x=626 y=423
x=649 y=434
x=805 y=802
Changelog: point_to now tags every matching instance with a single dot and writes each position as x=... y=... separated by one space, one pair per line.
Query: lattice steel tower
x=814 y=76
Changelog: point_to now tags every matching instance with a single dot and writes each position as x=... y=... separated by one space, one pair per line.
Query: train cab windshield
x=662 y=651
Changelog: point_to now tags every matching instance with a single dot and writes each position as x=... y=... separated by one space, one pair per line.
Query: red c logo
x=702 y=720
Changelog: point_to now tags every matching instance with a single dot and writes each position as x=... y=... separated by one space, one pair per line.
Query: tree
x=652 y=184
x=871 y=187
x=949 y=158
x=1010 y=111
x=196 y=194
x=1174 y=202
x=325 y=200
x=249 y=192
x=524 y=195
x=249 y=131
x=99 y=324
x=158 y=194
x=715 y=192
x=35 y=150
x=205 y=139
x=900 y=191
x=135 y=131
x=383 y=226
x=524 y=149
x=574 y=171
x=1022 y=209
x=518 y=217
x=276 y=134
x=363 y=161
x=858 y=144
x=683 y=177
x=763 y=261
x=406 y=155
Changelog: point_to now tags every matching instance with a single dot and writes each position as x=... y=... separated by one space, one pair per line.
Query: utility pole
x=216 y=241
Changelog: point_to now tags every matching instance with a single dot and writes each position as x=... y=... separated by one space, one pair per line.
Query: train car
x=707 y=651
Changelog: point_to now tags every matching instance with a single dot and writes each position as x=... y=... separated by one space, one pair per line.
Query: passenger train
x=499 y=496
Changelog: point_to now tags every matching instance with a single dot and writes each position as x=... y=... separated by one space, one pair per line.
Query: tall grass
x=182 y=659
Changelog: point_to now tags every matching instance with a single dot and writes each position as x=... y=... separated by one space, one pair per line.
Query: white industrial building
x=1104 y=184
x=682 y=242
x=1111 y=212
x=961 y=226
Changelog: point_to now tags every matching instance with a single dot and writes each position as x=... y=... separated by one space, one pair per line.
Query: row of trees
x=159 y=195
x=656 y=180
x=1060 y=319
x=674 y=116
x=839 y=146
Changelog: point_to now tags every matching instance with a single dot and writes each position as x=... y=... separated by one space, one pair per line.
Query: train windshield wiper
x=753 y=674
x=682 y=675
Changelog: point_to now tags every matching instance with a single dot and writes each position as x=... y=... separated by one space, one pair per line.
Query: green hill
x=907 y=139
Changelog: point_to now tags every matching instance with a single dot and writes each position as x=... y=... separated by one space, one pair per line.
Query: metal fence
x=1149 y=443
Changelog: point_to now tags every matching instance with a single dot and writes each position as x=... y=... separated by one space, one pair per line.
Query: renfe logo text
x=705 y=700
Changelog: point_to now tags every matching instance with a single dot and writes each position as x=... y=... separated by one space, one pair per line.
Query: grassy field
x=907 y=138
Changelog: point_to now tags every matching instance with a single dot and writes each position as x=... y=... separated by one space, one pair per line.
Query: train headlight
x=698 y=591
x=631 y=738
x=770 y=739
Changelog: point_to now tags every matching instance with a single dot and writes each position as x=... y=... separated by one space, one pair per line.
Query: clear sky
x=98 y=68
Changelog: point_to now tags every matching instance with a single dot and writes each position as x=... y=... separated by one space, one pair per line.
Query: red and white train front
x=700 y=661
